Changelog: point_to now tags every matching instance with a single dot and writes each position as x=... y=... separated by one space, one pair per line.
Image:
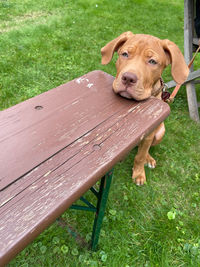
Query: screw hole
x=96 y=147
x=38 y=107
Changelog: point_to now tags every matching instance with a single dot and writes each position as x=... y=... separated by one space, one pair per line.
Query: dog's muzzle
x=128 y=82
x=129 y=79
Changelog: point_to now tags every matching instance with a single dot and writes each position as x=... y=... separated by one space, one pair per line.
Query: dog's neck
x=158 y=88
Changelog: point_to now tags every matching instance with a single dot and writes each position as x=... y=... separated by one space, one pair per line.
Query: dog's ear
x=174 y=57
x=108 y=50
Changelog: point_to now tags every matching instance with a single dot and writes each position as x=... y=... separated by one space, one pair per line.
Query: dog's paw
x=139 y=178
x=151 y=163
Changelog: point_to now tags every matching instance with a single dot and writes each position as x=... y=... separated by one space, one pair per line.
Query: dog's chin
x=125 y=94
x=129 y=94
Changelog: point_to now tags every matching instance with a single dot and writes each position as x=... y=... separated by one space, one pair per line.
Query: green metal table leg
x=101 y=206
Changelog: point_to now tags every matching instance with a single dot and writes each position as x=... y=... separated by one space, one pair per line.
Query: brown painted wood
x=63 y=149
x=36 y=134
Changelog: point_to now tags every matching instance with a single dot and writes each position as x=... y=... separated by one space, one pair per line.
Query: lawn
x=46 y=43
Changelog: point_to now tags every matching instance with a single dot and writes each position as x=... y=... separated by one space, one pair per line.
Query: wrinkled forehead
x=144 y=45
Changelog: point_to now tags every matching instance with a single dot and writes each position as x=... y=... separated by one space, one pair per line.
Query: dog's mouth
x=135 y=92
x=129 y=89
x=130 y=93
x=126 y=94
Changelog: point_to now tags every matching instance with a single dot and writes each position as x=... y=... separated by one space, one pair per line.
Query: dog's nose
x=129 y=78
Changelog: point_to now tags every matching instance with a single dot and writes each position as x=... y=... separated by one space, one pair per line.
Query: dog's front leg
x=141 y=159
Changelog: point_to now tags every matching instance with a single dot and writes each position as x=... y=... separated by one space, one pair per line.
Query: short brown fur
x=142 y=59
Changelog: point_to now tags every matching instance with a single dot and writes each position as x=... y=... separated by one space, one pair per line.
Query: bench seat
x=57 y=145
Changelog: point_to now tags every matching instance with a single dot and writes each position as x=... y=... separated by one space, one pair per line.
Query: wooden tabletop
x=57 y=145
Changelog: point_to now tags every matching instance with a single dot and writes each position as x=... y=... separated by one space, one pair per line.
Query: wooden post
x=188 y=37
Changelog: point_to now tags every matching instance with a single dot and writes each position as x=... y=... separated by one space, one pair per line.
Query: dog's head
x=142 y=59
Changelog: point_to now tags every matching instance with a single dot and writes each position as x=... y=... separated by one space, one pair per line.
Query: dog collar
x=165 y=93
x=163 y=88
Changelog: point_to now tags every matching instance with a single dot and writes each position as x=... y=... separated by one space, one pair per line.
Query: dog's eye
x=125 y=54
x=152 y=62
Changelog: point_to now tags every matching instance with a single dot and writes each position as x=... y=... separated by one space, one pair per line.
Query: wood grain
x=52 y=155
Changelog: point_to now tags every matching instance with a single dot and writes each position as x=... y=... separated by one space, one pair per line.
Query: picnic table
x=56 y=146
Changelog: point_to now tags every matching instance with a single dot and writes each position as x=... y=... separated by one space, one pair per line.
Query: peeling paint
x=75 y=102
x=7 y=200
x=90 y=85
x=79 y=80
x=46 y=174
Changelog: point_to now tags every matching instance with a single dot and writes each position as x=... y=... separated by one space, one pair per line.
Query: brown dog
x=142 y=59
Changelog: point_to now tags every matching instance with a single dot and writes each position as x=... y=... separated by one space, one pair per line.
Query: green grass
x=46 y=43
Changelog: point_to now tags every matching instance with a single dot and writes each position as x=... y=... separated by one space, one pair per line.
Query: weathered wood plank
x=195 y=41
x=95 y=137
x=63 y=156
x=192 y=76
x=68 y=112
x=188 y=37
x=43 y=201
